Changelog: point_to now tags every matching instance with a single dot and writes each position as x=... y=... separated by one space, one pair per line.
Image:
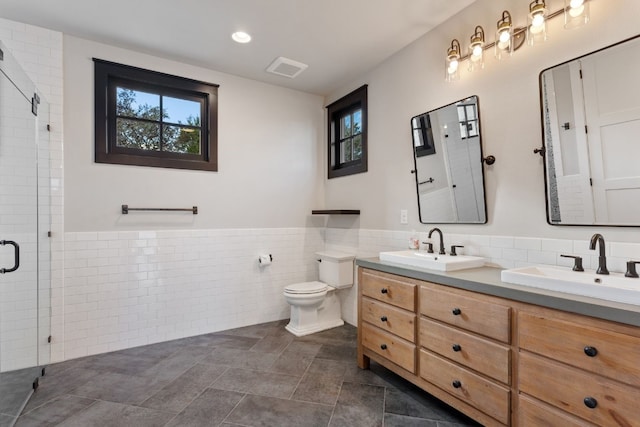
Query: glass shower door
x=24 y=253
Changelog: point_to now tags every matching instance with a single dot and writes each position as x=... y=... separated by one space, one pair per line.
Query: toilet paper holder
x=265 y=259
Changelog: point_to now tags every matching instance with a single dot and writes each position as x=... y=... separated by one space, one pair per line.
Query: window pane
x=137 y=134
x=357 y=147
x=180 y=140
x=181 y=111
x=345 y=126
x=346 y=151
x=357 y=122
x=134 y=103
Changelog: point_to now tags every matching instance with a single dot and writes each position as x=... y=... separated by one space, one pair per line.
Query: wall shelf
x=336 y=212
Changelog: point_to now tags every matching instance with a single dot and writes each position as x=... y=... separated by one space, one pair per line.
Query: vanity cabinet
x=500 y=361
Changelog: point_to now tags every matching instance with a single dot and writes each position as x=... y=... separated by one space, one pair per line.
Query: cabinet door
x=533 y=413
x=389 y=346
x=387 y=289
x=389 y=318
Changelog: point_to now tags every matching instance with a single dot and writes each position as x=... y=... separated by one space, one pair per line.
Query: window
x=468 y=118
x=423 y=135
x=148 y=118
x=347 y=120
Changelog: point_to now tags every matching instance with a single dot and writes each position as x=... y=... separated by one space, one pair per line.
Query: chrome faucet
x=602 y=259
x=442 y=252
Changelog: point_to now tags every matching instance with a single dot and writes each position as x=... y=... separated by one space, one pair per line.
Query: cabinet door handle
x=383 y=318
x=456 y=311
x=383 y=346
x=456 y=347
x=456 y=384
x=590 y=402
x=384 y=290
x=590 y=351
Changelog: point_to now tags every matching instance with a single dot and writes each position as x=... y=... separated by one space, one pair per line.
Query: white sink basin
x=612 y=287
x=432 y=261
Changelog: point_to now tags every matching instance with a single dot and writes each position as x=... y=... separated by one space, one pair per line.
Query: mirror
x=447 y=153
x=590 y=119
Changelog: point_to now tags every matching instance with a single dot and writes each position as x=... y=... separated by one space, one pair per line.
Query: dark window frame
x=110 y=75
x=428 y=145
x=356 y=100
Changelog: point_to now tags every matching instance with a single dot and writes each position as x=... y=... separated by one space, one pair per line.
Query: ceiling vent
x=286 y=67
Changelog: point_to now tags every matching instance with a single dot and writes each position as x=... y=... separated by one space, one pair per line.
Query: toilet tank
x=336 y=268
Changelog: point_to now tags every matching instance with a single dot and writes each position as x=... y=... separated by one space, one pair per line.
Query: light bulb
x=537 y=20
x=477 y=51
x=453 y=66
x=576 y=3
x=574 y=12
x=503 y=45
x=504 y=37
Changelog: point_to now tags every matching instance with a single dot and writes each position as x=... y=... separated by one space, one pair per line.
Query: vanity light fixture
x=476 y=49
x=453 y=61
x=241 y=37
x=509 y=38
x=576 y=13
x=537 y=22
x=504 y=36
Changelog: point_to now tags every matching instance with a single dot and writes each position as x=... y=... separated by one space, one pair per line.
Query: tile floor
x=254 y=376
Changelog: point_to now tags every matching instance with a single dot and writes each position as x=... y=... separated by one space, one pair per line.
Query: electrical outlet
x=404 y=216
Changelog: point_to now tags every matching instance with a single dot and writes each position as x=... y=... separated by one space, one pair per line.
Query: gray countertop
x=486 y=280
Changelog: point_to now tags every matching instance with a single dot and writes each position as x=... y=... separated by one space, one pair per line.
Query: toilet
x=315 y=306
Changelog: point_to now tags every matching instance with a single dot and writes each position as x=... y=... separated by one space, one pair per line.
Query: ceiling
x=338 y=39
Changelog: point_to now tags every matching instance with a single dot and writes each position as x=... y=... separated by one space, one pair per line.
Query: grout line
x=233 y=409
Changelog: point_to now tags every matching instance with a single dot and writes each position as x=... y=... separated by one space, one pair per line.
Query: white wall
x=412 y=82
x=269 y=156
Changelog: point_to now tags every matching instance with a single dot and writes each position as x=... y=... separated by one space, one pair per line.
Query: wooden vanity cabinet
x=499 y=361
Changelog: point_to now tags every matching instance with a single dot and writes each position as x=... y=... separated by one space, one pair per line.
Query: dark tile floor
x=254 y=376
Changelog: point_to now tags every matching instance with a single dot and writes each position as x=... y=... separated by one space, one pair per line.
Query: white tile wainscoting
x=125 y=289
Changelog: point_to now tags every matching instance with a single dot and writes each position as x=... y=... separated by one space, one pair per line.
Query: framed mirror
x=590 y=111
x=447 y=154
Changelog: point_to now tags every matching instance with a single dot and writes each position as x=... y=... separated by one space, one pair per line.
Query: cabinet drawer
x=616 y=355
x=388 y=290
x=471 y=313
x=568 y=388
x=389 y=318
x=488 y=397
x=532 y=413
x=391 y=347
x=470 y=350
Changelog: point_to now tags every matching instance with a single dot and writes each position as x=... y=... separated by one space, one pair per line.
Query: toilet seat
x=306 y=288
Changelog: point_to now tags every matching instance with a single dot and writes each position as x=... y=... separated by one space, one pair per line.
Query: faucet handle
x=577 y=262
x=429 y=247
x=631 y=269
x=453 y=249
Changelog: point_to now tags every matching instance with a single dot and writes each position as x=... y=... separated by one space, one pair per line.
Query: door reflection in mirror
x=590 y=118
x=448 y=164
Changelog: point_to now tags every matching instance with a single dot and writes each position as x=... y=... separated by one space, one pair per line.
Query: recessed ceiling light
x=241 y=37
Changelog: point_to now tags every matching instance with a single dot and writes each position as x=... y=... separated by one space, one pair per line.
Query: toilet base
x=312 y=329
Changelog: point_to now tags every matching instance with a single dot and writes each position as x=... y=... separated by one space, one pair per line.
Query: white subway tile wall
x=133 y=288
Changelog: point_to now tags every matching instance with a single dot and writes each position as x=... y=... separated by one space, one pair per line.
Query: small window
x=147 y=118
x=468 y=117
x=423 y=135
x=347 y=120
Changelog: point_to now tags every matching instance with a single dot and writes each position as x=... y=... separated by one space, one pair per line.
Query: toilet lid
x=306 y=288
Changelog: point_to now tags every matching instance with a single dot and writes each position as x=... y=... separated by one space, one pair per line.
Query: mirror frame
x=543 y=149
x=480 y=160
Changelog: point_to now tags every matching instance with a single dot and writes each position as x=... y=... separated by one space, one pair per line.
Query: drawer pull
x=384 y=290
x=590 y=402
x=458 y=384
x=456 y=311
x=456 y=347
x=383 y=318
x=383 y=346
x=590 y=351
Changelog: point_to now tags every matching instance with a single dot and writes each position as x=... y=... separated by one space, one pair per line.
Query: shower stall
x=25 y=253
